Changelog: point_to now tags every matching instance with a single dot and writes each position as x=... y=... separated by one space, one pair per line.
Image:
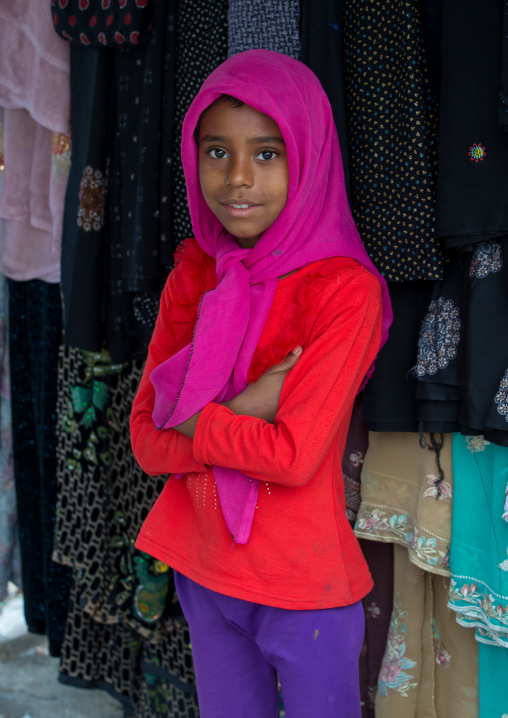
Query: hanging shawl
x=315 y=224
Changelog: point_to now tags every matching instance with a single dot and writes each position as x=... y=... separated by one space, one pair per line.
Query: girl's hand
x=261 y=399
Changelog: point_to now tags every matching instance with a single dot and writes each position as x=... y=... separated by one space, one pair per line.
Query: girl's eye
x=267 y=155
x=217 y=154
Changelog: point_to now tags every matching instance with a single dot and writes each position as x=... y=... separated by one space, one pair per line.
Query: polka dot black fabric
x=201 y=31
x=392 y=129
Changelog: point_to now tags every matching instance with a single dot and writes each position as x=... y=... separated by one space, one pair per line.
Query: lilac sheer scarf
x=315 y=224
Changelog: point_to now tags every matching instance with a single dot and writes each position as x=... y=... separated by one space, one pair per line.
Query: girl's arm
x=260 y=399
x=166 y=451
x=316 y=397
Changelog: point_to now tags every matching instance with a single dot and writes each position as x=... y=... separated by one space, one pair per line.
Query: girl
x=268 y=326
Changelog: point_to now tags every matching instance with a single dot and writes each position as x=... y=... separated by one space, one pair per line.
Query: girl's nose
x=240 y=172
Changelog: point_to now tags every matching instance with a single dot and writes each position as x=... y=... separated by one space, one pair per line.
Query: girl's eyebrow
x=251 y=140
x=260 y=140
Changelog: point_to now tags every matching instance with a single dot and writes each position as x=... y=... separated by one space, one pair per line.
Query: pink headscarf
x=315 y=224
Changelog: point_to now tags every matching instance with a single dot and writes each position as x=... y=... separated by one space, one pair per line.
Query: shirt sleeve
x=342 y=342
x=167 y=450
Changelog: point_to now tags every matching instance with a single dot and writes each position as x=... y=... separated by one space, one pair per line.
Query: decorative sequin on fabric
x=392 y=130
x=202 y=489
x=487 y=257
x=439 y=337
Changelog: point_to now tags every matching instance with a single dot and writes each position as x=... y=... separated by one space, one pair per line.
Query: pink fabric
x=34 y=63
x=32 y=197
x=315 y=224
x=35 y=92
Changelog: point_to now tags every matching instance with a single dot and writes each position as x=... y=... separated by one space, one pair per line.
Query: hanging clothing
x=492 y=676
x=407 y=490
x=10 y=568
x=202 y=44
x=479 y=553
x=35 y=332
x=34 y=64
x=377 y=607
x=479 y=560
x=34 y=114
x=264 y=24
x=392 y=134
x=322 y=49
x=389 y=399
x=430 y=666
x=471 y=202
x=150 y=677
x=503 y=92
x=128 y=24
x=115 y=246
x=462 y=358
x=119 y=594
x=32 y=197
x=354 y=452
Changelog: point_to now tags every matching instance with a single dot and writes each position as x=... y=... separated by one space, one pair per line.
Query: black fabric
x=35 y=332
x=389 y=399
x=473 y=148
x=392 y=132
x=123 y=609
x=111 y=23
x=322 y=49
x=117 y=244
x=462 y=364
x=503 y=92
x=202 y=44
x=432 y=21
x=84 y=239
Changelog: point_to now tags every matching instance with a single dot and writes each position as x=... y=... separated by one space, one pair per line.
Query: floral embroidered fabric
x=462 y=362
x=439 y=337
x=406 y=501
x=430 y=664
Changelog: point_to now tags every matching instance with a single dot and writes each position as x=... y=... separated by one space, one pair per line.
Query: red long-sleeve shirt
x=302 y=553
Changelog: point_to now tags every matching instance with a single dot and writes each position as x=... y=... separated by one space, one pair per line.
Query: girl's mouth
x=243 y=209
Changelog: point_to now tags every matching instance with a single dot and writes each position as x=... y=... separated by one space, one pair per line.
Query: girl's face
x=243 y=169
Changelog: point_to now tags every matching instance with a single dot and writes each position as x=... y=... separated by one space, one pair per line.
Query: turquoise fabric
x=479 y=561
x=493 y=693
x=479 y=548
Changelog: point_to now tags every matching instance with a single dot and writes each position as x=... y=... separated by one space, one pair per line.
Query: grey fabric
x=265 y=25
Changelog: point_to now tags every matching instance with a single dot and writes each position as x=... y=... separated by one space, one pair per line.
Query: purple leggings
x=239 y=648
